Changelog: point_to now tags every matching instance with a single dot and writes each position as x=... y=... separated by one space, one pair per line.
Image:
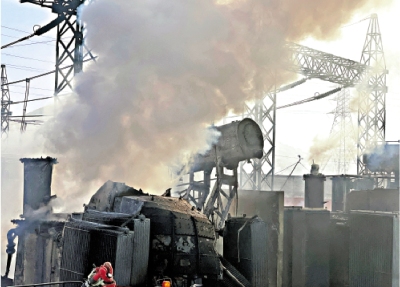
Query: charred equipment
x=148 y=239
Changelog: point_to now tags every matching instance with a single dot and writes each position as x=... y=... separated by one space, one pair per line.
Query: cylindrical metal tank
x=314 y=188
x=340 y=188
x=239 y=141
x=37 y=181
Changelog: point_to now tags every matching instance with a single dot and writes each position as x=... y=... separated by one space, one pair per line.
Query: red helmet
x=109 y=268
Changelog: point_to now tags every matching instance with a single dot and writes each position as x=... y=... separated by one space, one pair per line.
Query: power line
x=17 y=41
x=39 y=99
x=316 y=97
x=28 y=58
x=34 y=43
x=359 y=21
x=40 y=95
x=31 y=116
x=34 y=88
x=45 y=74
x=28 y=68
x=24 y=31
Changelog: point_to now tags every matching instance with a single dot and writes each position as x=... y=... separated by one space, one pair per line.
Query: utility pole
x=5 y=102
x=372 y=103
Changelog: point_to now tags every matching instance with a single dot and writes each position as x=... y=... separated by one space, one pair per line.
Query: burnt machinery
x=238 y=141
x=145 y=237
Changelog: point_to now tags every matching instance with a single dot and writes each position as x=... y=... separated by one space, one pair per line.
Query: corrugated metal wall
x=310 y=248
x=339 y=236
x=373 y=255
x=246 y=250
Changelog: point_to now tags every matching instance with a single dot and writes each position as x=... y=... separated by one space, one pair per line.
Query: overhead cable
x=39 y=99
x=316 y=97
x=45 y=74
x=39 y=31
x=17 y=41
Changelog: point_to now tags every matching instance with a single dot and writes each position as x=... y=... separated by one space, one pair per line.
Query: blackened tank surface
x=182 y=238
x=245 y=248
x=239 y=141
x=37 y=181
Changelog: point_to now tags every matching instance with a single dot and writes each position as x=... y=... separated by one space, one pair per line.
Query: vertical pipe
x=37 y=182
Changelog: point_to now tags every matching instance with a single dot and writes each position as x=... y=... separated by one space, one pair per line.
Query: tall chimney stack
x=37 y=181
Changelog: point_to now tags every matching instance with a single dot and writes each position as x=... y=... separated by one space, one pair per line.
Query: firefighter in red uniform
x=102 y=276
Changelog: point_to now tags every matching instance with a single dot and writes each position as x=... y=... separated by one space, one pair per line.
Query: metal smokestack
x=37 y=181
x=314 y=188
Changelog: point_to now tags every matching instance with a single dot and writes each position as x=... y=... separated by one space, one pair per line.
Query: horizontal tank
x=239 y=141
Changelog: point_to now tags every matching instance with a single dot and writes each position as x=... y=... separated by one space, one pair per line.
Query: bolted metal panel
x=288 y=238
x=339 y=250
x=244 y=248
x=37 y=182
x=374 y=251
x=310 y=248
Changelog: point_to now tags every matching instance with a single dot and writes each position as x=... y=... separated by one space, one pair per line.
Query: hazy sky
x=299 y=124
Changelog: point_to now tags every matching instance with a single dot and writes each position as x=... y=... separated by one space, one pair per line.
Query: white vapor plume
x=165 y=71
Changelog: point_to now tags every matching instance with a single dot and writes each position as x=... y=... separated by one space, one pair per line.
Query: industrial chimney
x=314 y=188
x=37 y=181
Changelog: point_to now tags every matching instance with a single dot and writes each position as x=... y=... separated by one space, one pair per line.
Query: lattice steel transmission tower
x=70 y=46
x=259 y=174
x=343 y=131
x=372 y=103
x=5 y=102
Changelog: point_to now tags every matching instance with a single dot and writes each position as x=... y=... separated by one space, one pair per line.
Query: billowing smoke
x=339 y=148
x=166 y=70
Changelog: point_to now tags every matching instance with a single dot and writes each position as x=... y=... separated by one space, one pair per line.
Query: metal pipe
x=11 y=234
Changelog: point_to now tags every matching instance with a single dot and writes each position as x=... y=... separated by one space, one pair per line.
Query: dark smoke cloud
x=165 y=71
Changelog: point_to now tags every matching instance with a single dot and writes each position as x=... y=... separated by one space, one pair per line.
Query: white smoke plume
x=166 y=70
